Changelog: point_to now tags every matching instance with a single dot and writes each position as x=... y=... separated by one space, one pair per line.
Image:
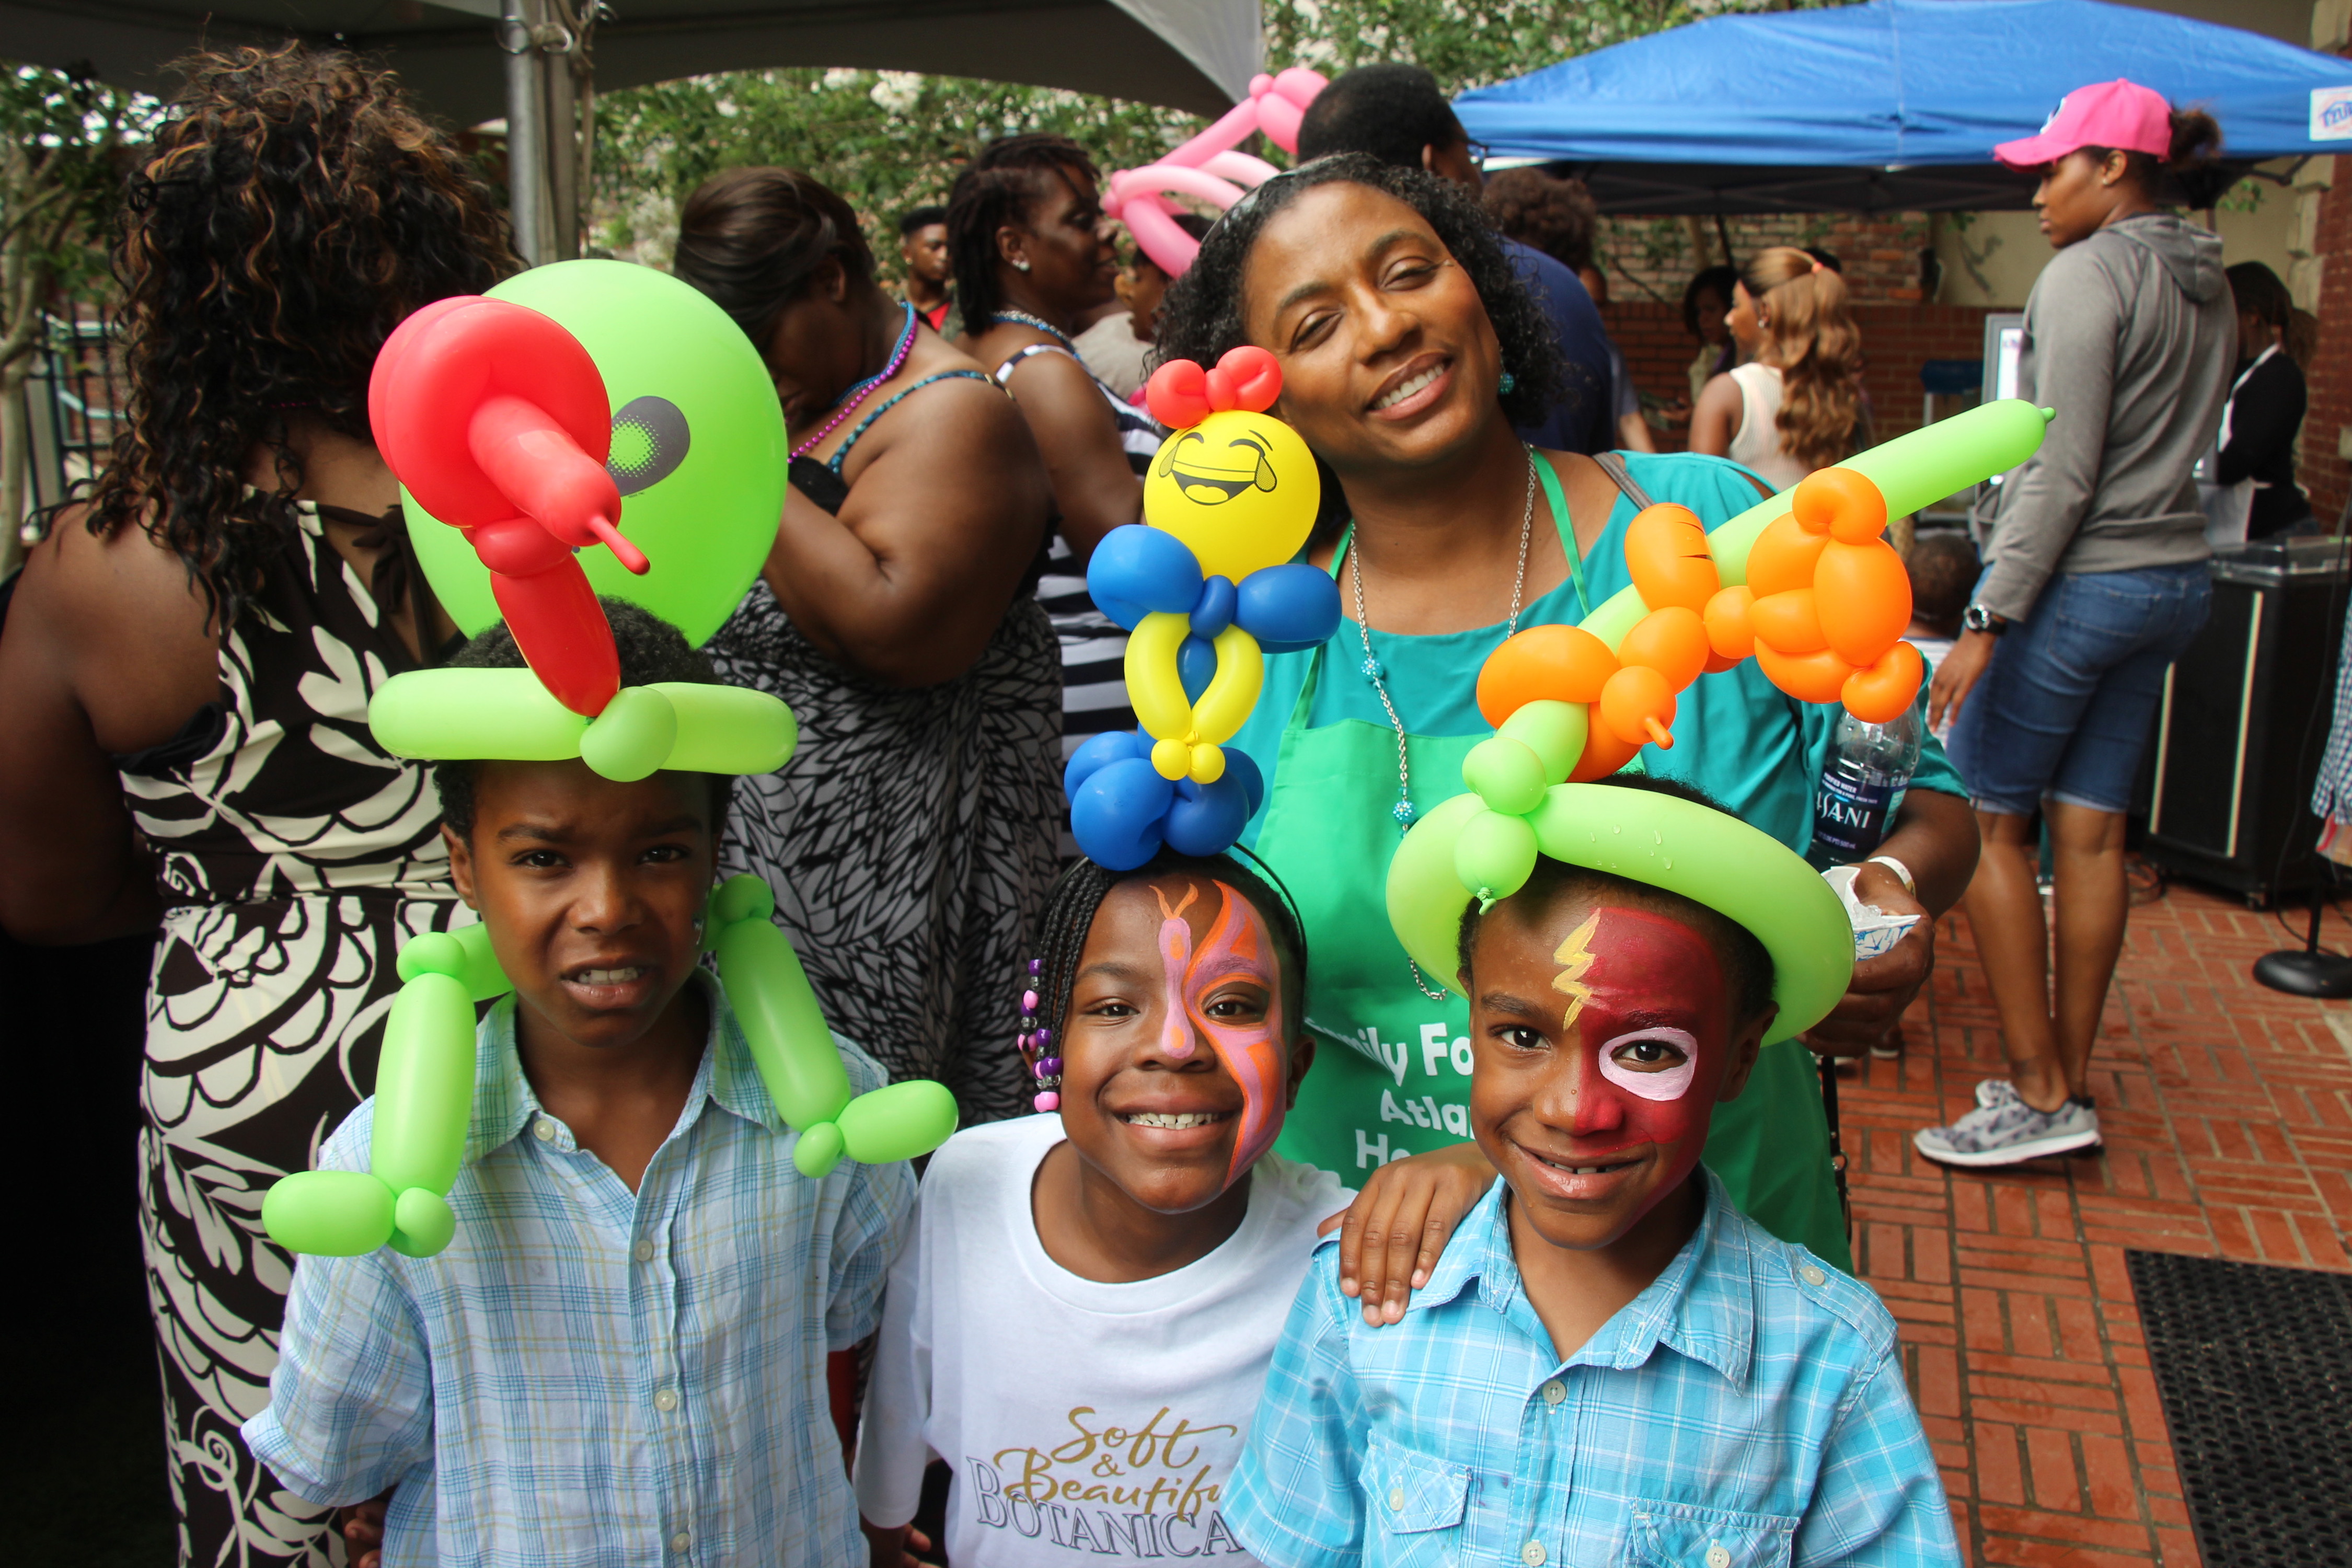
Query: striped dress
x=1094 y=648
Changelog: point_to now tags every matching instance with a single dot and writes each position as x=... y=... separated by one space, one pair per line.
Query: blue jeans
x=2064 y=708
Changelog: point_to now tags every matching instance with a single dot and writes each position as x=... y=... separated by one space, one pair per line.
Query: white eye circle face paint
x=1657 y=1083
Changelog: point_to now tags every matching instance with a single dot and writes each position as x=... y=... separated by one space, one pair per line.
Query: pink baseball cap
x=2119 y=114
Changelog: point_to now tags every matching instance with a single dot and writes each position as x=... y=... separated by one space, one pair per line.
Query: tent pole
x=527 y=197
x=562 y=155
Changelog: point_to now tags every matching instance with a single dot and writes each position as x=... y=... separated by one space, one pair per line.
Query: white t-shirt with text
x=1085 y=1422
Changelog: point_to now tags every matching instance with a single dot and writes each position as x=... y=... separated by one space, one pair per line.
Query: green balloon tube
x=1911 y=471
x=1676 y=845
x=631 y=738
x=438 y=714
x=483 y=978
x=424 y=1086
x=726 y=730
x=897 y=1121
x=782 y=1022
x=329 y=1214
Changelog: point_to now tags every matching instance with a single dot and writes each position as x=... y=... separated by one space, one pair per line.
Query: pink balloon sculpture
x=1208 y=168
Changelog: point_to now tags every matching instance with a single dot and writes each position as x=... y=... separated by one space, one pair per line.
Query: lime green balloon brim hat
x=1660 y=841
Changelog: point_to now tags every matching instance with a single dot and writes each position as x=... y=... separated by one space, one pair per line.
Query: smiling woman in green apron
x=1409 y=349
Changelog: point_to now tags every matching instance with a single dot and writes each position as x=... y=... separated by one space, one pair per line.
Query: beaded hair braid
x=1070 y=917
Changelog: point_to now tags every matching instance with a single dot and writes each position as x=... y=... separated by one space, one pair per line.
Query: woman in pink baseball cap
x=2097 y=579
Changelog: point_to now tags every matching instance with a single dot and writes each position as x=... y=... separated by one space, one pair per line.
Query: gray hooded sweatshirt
x=2131 y=336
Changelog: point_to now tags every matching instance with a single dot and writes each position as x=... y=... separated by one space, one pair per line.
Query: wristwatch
x=1977 y=618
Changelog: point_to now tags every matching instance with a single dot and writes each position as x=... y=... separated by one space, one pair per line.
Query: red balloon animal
x=497 y=420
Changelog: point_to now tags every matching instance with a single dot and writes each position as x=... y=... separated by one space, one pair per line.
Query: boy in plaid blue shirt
x=1609 y=1363
x=621 y=1357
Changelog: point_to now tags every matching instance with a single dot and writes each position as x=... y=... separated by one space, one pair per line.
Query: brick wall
x=2324 y=473
x=1652 y=259
x=1896 y=337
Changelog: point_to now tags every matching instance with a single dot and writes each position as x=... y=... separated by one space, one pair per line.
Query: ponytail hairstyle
x=999 y=187
x=2191 y=171
x=751 y=239
x=1809 y=334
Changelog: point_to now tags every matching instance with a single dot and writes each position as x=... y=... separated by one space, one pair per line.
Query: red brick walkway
x=2226 y=1111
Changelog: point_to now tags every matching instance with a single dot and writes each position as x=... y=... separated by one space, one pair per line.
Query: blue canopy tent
x=1891 y=105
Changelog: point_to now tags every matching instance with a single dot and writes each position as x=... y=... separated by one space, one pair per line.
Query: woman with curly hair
x=184 y=681
x=1796 y=405
x=1409 y=350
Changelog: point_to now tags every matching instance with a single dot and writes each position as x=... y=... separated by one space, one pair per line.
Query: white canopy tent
x=470 y=60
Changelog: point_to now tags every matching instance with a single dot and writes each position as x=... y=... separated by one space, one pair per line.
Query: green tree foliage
x=1466 y=43
x=887 y=141
x=62 y=141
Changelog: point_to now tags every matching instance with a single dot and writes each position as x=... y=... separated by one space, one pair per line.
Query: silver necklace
x=1402 y=811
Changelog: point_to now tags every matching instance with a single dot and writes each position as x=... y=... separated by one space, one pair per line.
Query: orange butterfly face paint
x=1199 y=1003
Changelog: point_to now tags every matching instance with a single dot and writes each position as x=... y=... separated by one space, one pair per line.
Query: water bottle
x=1869 y=765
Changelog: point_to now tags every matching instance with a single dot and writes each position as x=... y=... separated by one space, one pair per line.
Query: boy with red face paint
x=1611 y=1364
x=1082 y=1317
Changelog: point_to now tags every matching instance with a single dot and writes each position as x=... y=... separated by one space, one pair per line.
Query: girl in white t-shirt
x=1082 y=1316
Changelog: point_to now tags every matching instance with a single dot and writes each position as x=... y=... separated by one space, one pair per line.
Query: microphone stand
x=2306 y=970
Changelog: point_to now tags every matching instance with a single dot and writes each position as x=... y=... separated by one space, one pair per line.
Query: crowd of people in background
x=181 y=666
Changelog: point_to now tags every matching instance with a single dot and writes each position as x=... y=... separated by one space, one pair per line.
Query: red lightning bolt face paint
x=1641 y=989
x=1237 y=943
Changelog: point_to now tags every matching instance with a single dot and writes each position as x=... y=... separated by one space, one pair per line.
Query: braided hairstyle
x=997 y=188
x=1070 y=912
x=294 y=208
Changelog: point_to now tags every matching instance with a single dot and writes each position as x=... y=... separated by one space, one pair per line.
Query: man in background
x=1396 y=113
x=931 y=275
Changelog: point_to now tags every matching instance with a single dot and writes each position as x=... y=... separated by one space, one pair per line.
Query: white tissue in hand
x=1875 y=932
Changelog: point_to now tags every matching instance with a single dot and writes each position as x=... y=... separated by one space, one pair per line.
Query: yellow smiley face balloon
x=1239 y=488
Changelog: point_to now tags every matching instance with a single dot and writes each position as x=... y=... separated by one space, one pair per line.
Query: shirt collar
x=505 y=1107
x=1703 y=1306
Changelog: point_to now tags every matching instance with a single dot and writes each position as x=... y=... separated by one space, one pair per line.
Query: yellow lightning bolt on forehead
x=1575 y=956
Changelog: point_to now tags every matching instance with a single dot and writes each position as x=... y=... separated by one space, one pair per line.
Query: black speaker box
x=2244 y=723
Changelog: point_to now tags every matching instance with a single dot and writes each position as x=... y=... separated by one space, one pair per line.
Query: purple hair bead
x=1036 y=966
x=1044 y=1037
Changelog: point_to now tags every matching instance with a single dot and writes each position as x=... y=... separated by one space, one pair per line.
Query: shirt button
x=1812 y=1275
x=666 y=1399
x=1532 y=1554
x=645 y=1252
x=1396 y=1499
x=1716 y=1557
x=680 y=1541
x=543 y=1129
x=1554 y=1392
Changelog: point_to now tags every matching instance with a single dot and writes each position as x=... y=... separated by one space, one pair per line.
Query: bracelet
x=1910 y=883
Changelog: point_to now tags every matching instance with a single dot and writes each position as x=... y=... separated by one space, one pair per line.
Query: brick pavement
x=2226 y=1111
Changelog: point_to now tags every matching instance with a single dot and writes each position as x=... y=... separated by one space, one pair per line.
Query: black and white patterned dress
x=1094 y=646
x=910 y=840
x=295 y=858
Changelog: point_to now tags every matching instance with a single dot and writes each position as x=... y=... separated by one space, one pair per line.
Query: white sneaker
x=2005 y=1130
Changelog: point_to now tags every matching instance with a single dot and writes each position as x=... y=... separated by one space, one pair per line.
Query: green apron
x=1391 y=1073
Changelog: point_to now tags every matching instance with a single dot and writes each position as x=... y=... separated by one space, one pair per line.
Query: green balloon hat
x=1802 y=583
x=522 y=425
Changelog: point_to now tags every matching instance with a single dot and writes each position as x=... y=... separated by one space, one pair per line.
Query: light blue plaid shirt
x=587 y=1376
x=1747 y=1408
